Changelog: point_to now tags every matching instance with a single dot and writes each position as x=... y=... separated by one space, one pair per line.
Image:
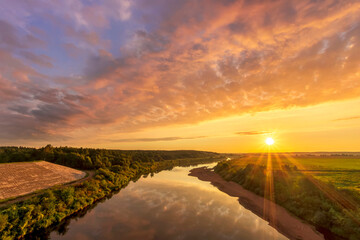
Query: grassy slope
x=303 y=186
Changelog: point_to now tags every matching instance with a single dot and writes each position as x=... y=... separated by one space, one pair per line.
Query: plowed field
x=18 y=179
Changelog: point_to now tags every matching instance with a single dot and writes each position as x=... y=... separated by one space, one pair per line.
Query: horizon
x=205 y=75
x=260 y=152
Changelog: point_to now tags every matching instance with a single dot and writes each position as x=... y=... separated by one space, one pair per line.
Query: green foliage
x=317 y=202
x=88 y=158
x=18 y=154
x=3 y=221
x=114 y=170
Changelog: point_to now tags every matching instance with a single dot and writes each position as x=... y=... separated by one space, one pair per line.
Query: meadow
x=341 y=170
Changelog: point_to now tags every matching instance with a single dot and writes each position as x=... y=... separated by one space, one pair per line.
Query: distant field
x=17 y=179
x=341 y=171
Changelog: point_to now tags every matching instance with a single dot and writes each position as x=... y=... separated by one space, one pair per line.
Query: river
x=169 y=205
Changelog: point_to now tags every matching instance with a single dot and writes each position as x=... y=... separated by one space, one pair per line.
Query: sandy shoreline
x=277 y=216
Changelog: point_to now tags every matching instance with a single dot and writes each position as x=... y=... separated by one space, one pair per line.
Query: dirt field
x=18 y=179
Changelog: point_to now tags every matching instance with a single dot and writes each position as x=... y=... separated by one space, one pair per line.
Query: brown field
x=17 y=179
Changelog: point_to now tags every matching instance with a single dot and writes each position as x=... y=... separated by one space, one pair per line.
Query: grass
x=300 y=183
x=343 y=180
x=341 y=171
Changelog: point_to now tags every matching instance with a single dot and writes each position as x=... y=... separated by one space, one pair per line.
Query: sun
x=269 y=141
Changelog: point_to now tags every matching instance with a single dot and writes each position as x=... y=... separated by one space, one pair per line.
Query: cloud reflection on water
x=164 y=208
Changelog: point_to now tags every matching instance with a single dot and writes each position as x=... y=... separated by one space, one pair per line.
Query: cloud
x=30 y=127
x=175 y=62
x=227 y=72
x=11 y=38
x=155 y=139
x=42 y=60
x=79 y=13
x=253 y=133
x=347 y=118
x=143 y=42
x=72 y=50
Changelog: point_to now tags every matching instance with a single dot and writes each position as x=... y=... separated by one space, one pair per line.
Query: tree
x=3 y=221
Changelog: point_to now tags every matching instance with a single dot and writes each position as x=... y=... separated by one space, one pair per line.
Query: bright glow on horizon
x=269 y=141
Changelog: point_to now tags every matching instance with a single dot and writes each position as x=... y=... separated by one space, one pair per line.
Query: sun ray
x=269 y=211
x=342 y=201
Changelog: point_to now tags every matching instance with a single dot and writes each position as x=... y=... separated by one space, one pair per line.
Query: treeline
x=114 y=169
x=89 y=158
x=321 y=204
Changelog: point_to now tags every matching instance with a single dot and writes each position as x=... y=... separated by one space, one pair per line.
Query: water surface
x=169 y=205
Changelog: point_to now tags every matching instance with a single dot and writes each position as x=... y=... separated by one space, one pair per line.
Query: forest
x=114 y=170
x=330 y=209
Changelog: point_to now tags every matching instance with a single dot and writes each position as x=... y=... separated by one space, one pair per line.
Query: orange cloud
x=202 y=64
x=162 y=139
x=347 y=118
x=253 y=133
x=194 y=61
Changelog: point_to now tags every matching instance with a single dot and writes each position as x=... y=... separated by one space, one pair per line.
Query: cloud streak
x=162 y=139
x=347 y=118
x=253 y=133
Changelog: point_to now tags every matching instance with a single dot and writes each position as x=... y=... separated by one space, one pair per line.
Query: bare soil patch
x=17 y=179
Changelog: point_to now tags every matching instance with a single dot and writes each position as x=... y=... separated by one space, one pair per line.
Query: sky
x=181 y=74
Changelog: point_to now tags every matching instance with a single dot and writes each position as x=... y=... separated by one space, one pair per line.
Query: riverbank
x=52 y=206
x=277 y=216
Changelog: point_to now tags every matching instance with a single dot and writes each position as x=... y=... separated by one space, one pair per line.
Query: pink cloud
x=200 y=60
x=212 y=66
